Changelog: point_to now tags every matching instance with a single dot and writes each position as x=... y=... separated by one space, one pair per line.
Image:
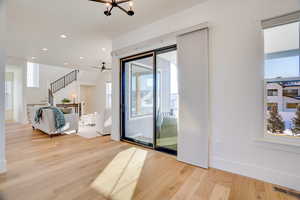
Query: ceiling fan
x=103 y=68
x=110 y=4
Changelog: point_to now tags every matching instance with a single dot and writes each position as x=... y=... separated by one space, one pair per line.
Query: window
x=141 y=90
x=291 y=105
x=282 y=76
x=272 y=92
x=271 y=106
x=108 y=94
x=290 y=92
x=33 y=75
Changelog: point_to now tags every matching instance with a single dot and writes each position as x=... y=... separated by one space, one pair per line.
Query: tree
x=275 y=124
x=296 y=122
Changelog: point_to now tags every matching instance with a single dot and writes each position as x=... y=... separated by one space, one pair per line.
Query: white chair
x=104 y=122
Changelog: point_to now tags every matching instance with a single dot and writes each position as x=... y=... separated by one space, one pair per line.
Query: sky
x=282 y=67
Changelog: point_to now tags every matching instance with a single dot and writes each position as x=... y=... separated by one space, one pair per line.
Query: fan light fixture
x=110 y=4
x=104 y=68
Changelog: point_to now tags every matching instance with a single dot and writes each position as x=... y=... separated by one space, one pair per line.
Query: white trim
x=258 y=172
x=161 y=41
x=276 y=144
x=281 y=20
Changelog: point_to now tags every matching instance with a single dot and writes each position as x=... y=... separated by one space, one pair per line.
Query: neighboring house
x=285 y=96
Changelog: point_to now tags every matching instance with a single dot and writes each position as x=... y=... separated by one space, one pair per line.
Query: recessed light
x=63 y=36
x=33 y=58
x=103 y=49
x=81 y=57
x=44 y=49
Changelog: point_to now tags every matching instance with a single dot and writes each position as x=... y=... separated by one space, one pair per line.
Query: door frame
x=122 y=96
x=146 y=54
x=11 y=111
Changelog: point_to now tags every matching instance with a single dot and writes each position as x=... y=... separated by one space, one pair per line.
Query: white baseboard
x=2 y=166
x=261 y=173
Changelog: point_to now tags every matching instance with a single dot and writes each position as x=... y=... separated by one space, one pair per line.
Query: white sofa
x=47 y=123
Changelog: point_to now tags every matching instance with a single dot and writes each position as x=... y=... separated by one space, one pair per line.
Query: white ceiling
x=37 y=24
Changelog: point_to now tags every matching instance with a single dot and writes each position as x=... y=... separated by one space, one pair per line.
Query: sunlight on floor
x=118 y=180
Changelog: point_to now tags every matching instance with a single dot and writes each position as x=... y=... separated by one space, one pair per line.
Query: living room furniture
x=47 y=122
x=104 y=122
x=88 y=120
x=75 y=106
x=29 y=108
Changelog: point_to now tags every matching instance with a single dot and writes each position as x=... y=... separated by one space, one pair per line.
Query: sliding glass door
x=149 y=99
x=138 y=99
x=167 y=100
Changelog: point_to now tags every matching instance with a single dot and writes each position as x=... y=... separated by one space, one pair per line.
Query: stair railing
x=61 y=83
x=50 y=97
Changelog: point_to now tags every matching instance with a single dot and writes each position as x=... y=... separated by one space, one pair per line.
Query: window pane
x=282 y=67
x=32 y=75
x=282 y=80
x=272 y=92
x=282 y=51
x=108 y=95
x=141 y=90
x=167 y=103
x=281 y=38
x=137 y=99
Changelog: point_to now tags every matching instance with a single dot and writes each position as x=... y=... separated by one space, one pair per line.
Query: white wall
x=236 y=85
x=67 y=92
x=100 y=97
x=87 y=95
x=2 y=82
x=97 y=79
x=48 y=74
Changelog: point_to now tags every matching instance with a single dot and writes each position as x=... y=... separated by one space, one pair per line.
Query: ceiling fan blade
x=92 y=66
x=106 y=69
x=122 y=1
x=101 y=1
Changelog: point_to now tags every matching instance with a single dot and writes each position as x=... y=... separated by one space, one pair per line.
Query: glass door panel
x=138 y=99
x=166 y=100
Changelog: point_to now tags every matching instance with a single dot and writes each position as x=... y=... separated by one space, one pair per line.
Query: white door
x=192 y=51
x=9 y=100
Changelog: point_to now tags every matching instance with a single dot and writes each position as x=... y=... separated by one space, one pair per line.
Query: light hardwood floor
x=63 y=167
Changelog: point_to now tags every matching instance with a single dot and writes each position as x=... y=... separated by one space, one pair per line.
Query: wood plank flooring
x=64 y=167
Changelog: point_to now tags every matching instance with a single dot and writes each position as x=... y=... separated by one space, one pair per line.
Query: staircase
x=61 y=83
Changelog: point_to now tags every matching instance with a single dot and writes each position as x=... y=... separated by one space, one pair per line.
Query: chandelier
x=111 y=4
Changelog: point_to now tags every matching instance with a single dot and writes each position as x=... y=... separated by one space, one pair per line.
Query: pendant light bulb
x=130 y=5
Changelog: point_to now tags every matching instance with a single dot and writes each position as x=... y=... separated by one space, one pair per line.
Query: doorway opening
x=149 y=99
